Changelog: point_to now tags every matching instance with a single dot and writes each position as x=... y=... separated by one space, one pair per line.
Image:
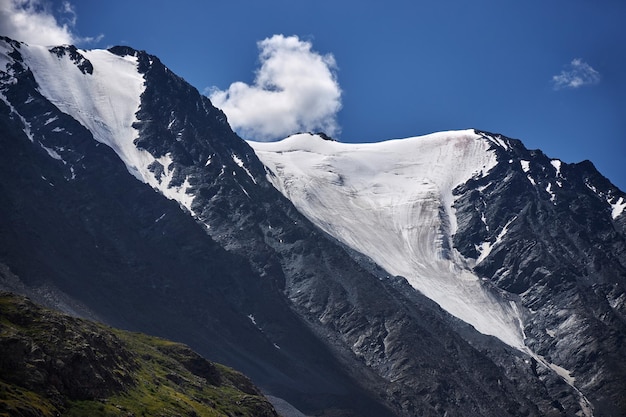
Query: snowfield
x=392 y=201
x=106 y=103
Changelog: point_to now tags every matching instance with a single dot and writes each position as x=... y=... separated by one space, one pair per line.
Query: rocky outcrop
x=556 y=244
x=52 y=363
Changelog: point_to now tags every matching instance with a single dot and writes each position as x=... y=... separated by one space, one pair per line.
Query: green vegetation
x=15 y=400
x=52 y=364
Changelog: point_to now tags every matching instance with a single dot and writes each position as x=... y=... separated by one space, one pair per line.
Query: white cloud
x=577 y=74
x=33 y=21
x=295 y=90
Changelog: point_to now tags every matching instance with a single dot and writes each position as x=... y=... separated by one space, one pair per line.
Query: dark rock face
x=248 y=281
x=81 y=62
x=563 y=253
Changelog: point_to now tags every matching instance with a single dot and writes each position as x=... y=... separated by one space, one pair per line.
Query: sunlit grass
x=152 y=376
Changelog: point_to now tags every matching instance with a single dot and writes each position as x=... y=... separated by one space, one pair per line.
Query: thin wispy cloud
x=295 y=90
x=35 y=22
x=577 y=74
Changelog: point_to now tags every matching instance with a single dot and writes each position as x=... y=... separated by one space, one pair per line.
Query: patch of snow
x=182 y=196
x=50 y=120
x=26 y=129
x=46 y=179
x=208 y=161
x=176 y=193
x=386 y=201
x=617 y=204
x=618 y=207
x=486 y=247
x=591 y=186
x=239 y=162
x=242 y=188
x=502 y=143
x=557 y=166
x=254 y=322
x=525 y=165
x=549 y=191
x=53 y=154
x=498 y=141
x=484 y=220
x=526 y=168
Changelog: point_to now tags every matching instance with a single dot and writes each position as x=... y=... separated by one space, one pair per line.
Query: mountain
x=457 y=273
x=54 y=364
x=525 y=248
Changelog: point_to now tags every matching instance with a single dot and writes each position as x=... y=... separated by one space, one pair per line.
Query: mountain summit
x=457 y=273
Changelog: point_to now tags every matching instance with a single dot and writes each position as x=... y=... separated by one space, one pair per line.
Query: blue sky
x=549 y=72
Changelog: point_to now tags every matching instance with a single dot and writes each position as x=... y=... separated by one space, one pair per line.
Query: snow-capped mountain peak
x=525 y=248
x=393 y=201
x=102 y=90
x=104 y=100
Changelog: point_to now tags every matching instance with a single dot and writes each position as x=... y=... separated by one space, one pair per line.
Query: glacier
x=393 y=201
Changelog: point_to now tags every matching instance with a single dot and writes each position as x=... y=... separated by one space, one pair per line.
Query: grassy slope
x=52 y=364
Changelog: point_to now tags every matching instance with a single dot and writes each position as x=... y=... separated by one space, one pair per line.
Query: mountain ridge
x=249 y=280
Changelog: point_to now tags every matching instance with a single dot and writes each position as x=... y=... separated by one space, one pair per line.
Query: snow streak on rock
x=617 y=208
